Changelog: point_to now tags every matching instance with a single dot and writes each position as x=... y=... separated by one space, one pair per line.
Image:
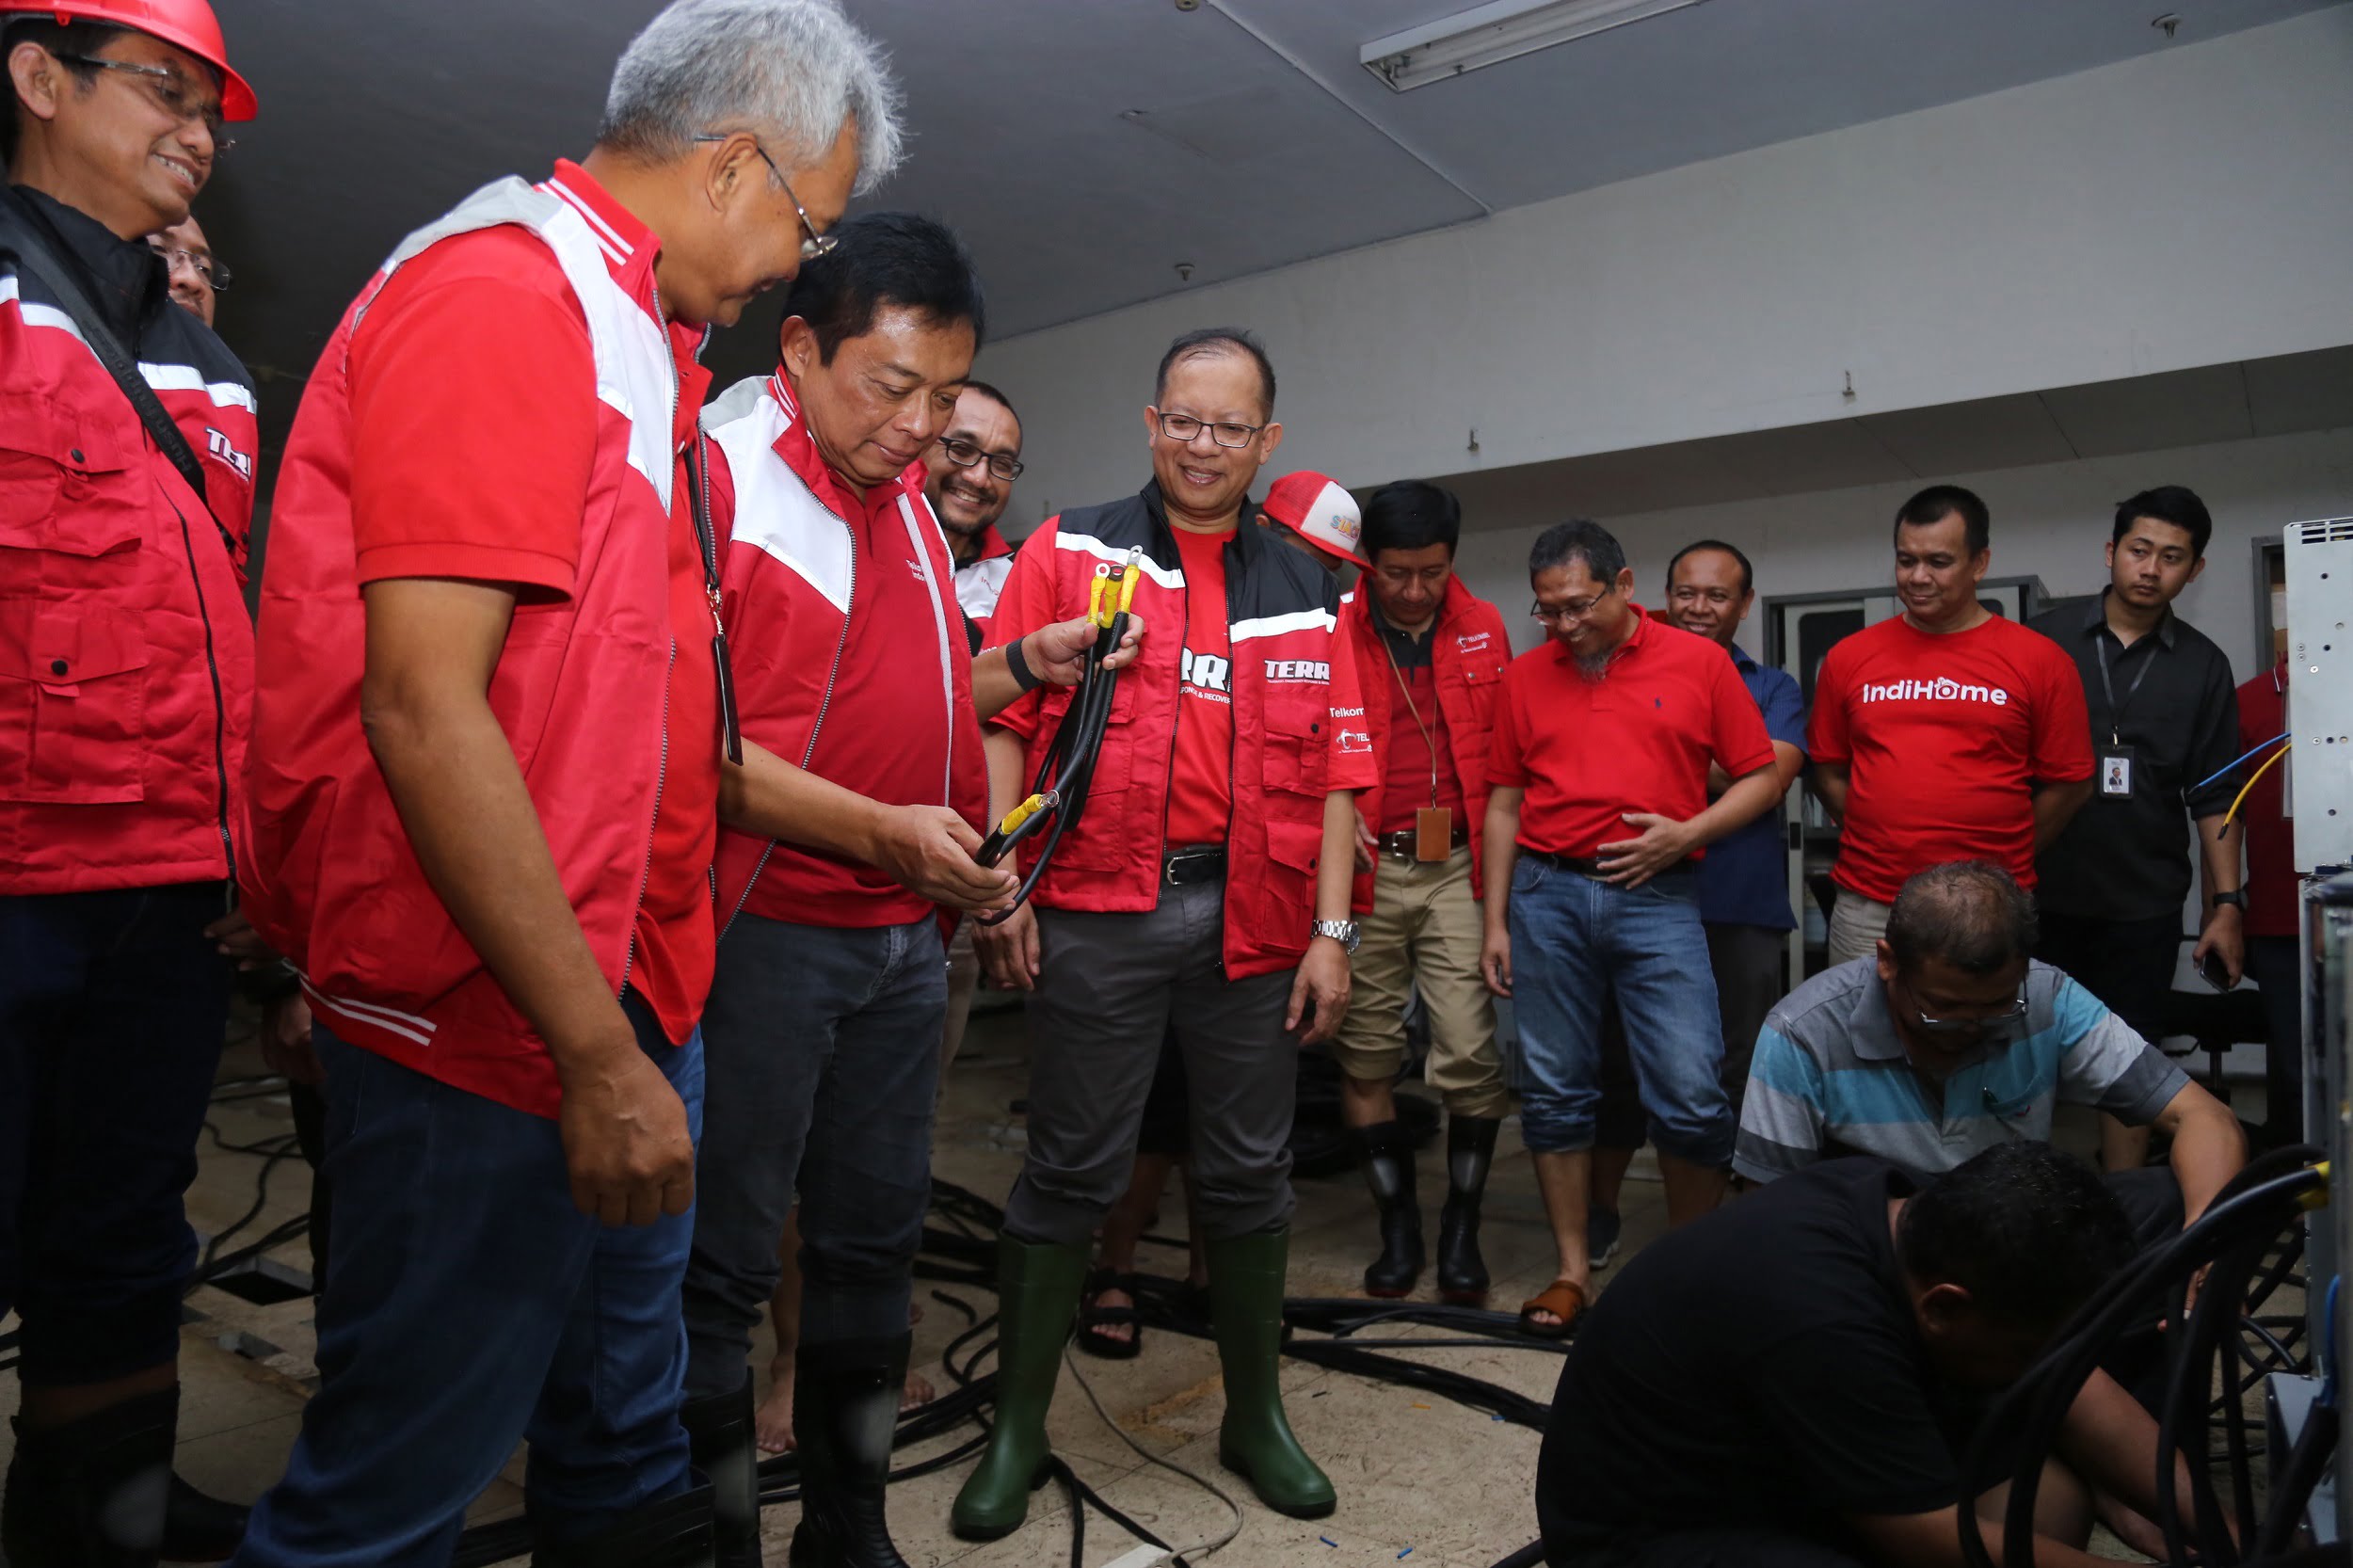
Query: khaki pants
x=1423 y=932
x=1856 y=925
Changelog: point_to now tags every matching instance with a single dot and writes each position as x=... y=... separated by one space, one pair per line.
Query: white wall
x=2185 y=208
x=2049 y=520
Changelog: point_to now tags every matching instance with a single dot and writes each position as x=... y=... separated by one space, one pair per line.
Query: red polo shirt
x=473 y=429
x=1640 y=739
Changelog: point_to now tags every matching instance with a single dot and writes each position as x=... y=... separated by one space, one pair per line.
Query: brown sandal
x=1564 y=1299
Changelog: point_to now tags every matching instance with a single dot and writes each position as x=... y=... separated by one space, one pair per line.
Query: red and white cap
x=1318 y=511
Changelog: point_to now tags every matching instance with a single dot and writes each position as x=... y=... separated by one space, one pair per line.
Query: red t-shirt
x=2271 y=881
x=1406 y=787
x=473 y=411
x=1201 y=789
x=1944 y=738
x=1640 y=739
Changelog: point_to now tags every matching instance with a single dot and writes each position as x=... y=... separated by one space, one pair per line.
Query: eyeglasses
x=1575 y=609
x=1182 y=429
x=964 y=455
x=214 y=272
x=814 y=244
x=172 y=93
x=1996 y=1023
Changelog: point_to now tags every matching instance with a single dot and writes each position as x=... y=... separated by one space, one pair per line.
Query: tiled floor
x=1420 y=1479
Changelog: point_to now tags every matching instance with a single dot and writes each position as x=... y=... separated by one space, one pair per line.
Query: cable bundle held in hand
x=1058 y=796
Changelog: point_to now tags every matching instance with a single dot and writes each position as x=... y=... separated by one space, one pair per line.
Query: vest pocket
x=73 y=704
x=65 y=484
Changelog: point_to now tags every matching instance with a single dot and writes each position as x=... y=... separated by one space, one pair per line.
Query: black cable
x=2034 y=1406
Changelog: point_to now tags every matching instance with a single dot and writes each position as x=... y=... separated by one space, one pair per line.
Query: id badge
x=1434 y=832
x=2115 y=771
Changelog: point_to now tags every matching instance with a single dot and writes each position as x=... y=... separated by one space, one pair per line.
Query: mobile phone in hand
x=2214 y=972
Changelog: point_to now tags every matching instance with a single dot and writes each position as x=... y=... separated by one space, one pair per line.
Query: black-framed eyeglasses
x=814 y=244
x=1182 y=429
x=172 y=93
x=964 y=455
x=1996 y=1023
x=212 y=269
x=1575 y=609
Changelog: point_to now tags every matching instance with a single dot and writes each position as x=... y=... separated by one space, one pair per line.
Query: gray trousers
x=822 y=1057
x=1109 y=988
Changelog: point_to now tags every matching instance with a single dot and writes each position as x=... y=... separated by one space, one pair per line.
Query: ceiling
x=1086 y=147
x=2277 y=396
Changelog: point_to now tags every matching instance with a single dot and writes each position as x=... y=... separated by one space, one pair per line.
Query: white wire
x=1201 y=1547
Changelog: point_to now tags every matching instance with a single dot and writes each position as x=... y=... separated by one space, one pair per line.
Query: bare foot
x=918 y=1391
x=772 y=1423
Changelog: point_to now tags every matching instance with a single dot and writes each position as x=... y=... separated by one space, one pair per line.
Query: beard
x=1591 y=667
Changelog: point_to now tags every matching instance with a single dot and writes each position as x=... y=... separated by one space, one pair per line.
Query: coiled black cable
x=2254 y=1207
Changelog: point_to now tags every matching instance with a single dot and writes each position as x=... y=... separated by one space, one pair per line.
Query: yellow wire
x=2268 y=763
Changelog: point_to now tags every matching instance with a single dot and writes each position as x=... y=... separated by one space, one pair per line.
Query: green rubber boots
x=1246 y=1275
x=1037 y=1295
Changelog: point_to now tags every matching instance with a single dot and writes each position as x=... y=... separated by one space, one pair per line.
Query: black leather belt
x=1193 y=863
x=1585 y=865
x=1405 y=844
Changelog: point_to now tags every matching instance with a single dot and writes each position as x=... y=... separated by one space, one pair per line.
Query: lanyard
x=706 y=540
x=2115 y=709
x=1411 y=706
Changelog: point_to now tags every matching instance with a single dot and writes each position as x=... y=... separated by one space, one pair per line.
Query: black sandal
x=1094 y=1320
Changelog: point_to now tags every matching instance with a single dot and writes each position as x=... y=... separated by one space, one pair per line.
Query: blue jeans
x=825 y=1061
x=1577 y=944
x=471 y=1305
x=111 y=1010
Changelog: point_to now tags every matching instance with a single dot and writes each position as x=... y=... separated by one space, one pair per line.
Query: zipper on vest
x=661 y=776
x=221 y=706
x=824 y=705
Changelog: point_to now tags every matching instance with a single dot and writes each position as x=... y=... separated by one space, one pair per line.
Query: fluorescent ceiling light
x=1504 y=30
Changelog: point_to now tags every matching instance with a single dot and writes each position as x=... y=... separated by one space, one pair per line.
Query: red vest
x=332 y=881
x=1280 y=611
x=791 y=583
x=1469 y=652
x=127 y=660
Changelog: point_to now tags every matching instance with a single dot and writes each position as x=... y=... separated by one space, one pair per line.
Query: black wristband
x=1023 y=677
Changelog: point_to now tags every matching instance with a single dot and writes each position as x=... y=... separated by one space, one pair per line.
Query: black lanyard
x=697 y=489
x=2115 y=709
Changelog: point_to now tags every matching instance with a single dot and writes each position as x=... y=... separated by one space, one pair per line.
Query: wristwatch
x=2234 y=898
x=1342 y=932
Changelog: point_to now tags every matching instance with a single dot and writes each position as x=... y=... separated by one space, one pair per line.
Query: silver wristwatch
x=1342 y=932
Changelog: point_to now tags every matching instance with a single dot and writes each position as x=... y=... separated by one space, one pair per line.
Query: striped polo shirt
x=1831 y=1078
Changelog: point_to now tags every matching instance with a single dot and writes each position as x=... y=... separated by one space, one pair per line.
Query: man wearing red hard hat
x=127 y=445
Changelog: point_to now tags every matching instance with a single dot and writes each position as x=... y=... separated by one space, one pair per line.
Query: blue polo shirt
x=1745 y=878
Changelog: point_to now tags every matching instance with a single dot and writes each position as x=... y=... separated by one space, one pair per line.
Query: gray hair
x=792 y=70
x=1971 y=914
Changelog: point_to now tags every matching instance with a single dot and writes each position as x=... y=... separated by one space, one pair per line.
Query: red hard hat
x=187 y=23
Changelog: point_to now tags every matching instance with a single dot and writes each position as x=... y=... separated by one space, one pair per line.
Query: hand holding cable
x=1058 y=793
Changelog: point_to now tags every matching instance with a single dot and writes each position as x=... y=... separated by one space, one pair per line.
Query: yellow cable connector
x=2318 y=1196
x=1021 y=813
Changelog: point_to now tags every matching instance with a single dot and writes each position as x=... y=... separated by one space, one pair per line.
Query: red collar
x=630 y=251
x=990 y=545
x=798 y=449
